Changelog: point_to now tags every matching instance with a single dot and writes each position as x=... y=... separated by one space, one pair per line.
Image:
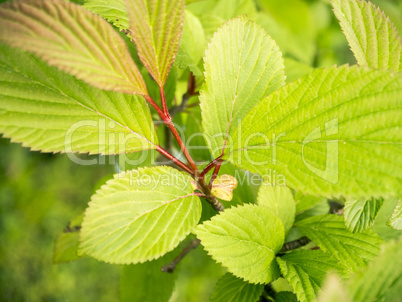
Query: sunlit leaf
x=47 y=110
x=360 y=214
x=244 y=239
x=76 y=41
x=396 y=219
x=371 y=35
x=156 y=27
x=140 y=215
x=112 y=10
x=334 y=132
x=242 y=65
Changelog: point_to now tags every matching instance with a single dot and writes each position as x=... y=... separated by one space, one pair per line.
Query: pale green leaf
x=305 y=270
x=112 y=10
x=380 y=226
x=396 y=219
x=360 y=214
x=334 y=290
x=242 y=65
x=306 y=202
x=353 y=250
x=192 y=45
x=232 y=289
x=224 y=9
x=66 y=246
x=280 y=200
x=334 y=132
x=145 y=282
x=76 y=41
x=244 y=239
x=156 y=27
x=381 y=276
x=372 y=37
x=140 y=215
x=48 y=110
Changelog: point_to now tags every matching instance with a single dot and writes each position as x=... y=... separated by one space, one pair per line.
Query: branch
x=295 y=244
x=170 y=267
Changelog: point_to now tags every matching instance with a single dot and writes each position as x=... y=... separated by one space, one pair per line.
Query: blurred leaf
x=232 y=289
x=112 y=10
x=381 y=276
x=244 y=239
x=371 y=35
x=53 y=112
x=380 y=225
x=396 y=219
x=280 y=200
x=156 y=27
x=353 y=250
x=71 y=42
x=66 y=246
x=285 y=297
x=333 y=290
x=305 y=270
x=139 y=215
x=360 y=214
x=192 y=44
x=145 y=282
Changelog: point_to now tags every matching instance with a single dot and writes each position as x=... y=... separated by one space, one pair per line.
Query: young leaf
x=156 y=27
x=353 y=250
x=112 y=10
x=223 y=186
x=139 y=216
x=280 y=200
x=381 y=276
x=305 y=270
x=76 y=41
x=244 y=239
x=242 y=65
x=146 y=282
x=50 y=111
x=334 y=132
x=232 y=289
x=371 y=35
x=396 y=219
x=360 y=214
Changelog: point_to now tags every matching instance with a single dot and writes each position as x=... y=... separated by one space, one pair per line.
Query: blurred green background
x=41 y=193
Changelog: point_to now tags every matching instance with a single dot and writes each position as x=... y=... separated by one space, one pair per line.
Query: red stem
x=175 y=160
x=164 y=106
x=216 y=171
x=212 y=164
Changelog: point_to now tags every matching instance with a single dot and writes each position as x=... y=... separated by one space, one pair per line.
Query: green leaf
x=139 y=215
x=192 y=45
x=51 y=111
x=280 y=200
x=334 y=132
x=146 y=282
x=114 y=11
x=360 y=214
x=66 y=246
x=371 y=35
x=242 y=65
x=76 y=41
x=334 y=290
x=380 y=277
x=285 y=297
x=306 y=202
x=232 y=289
x=244 y=239
x=380 y=226
x=305 y=270
x=353 y=250
x=156 y=27
x=396 y=219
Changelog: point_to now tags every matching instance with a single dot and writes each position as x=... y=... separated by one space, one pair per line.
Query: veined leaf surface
x=244 y=239
x=360 y=214
x=51 y=111
x=242 y=65
x=334 y=132
x=156 y=27
x=139 y=215
x=76 y=41
x=371 y=35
